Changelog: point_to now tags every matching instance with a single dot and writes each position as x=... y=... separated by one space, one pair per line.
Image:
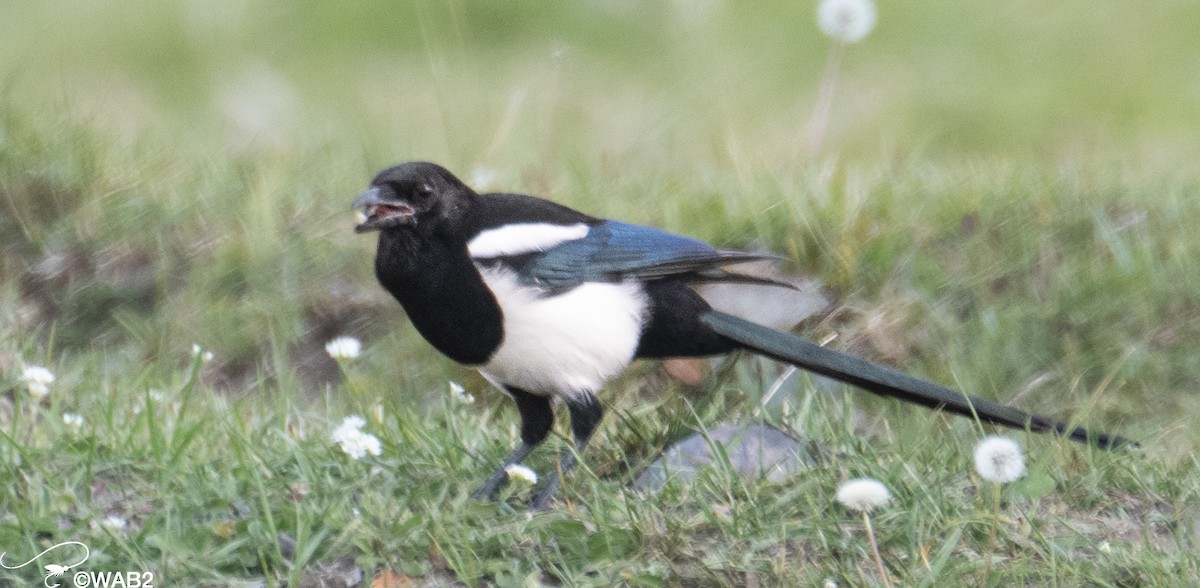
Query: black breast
x=444 y=296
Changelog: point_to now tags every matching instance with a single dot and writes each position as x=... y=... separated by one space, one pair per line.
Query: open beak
x=375 y=213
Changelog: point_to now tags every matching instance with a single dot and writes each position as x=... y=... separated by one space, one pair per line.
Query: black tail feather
x=886 y=381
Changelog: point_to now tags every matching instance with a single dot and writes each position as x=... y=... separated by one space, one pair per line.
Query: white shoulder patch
x=520 y=238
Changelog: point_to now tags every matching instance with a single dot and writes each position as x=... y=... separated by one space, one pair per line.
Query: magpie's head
x=415 y=196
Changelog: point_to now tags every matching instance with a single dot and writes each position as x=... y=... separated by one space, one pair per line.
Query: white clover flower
x=72 y=420
x=517 y=471
x=38 y=380
x=846 y=21
x=351 y=438
x=344 y=348
x=998 y=459
x=863 y=494
x=460 y=394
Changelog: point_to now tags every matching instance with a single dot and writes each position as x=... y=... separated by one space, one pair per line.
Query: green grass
x=1004 y=204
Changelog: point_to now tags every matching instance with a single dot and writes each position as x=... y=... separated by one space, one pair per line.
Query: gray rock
x=755 y=452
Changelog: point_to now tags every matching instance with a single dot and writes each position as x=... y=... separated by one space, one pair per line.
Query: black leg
x=586 y=414
x=489 y=488
x=537 y=417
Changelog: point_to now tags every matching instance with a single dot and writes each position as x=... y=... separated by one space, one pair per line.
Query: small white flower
x=351 y=438
x=999 y=459
x=1105 y=547
x=113 y=522
x=829 y=583
x=460 y=394
x=197 y=351
x=353 y=422
x=156 y=395
x=350 y=426
x=846 y=21
x=359 y=445
x=517 y=471
x=863 y=494
x=344 y=348
x=38 y=380
x=72 y=420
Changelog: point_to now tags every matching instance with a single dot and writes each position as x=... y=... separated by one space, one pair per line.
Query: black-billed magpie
x=550 y=303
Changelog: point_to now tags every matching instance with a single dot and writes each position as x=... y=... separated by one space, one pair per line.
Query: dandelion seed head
x=847 y=21
x=344 y=348
x=519 y=472
x=482 y=178
x=863 y=494
x=998 y=459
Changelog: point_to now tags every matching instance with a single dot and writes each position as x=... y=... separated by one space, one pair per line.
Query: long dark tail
x=886 y=381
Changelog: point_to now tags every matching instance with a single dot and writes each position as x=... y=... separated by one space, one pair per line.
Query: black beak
x=368 y=198
x=378 y=213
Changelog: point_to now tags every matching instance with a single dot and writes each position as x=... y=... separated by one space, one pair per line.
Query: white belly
x=564 y=345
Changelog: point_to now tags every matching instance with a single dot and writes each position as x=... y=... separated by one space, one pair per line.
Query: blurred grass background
x=1005 y=200
x=1015 y=183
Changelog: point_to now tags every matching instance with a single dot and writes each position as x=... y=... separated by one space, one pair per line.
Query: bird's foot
x=492 y=486
x=566 y=463
x=542 y=500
